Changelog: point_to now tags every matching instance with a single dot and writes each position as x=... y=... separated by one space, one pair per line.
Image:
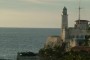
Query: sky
x=40 y=13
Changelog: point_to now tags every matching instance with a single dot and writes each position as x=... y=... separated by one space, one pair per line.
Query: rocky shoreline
x=27 y=56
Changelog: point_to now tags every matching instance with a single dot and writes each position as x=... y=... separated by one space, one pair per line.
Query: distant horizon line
x=31 y=27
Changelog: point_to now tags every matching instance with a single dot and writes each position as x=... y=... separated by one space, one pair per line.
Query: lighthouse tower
x=64 y=24
x=64 y=18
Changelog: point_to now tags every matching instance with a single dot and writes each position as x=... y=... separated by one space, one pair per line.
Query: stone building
x=72 y=36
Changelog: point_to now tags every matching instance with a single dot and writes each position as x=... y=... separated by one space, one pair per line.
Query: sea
x=14 y=40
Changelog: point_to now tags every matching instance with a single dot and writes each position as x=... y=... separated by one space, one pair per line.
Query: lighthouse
x=64 y=18
x=64 y=25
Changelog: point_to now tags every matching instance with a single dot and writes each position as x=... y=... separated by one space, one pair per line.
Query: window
x=72 y=36
x=77 y=36
x=81 y=36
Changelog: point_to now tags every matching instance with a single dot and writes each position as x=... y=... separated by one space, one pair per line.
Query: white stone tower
x=64 y=18
x=64 y=24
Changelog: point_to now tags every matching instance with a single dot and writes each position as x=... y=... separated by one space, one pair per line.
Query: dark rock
x=27 y=54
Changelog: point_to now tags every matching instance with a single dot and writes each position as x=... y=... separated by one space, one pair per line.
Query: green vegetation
x=51 y=54
x=59 y=54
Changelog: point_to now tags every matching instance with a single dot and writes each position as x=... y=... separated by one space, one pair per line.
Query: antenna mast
x=79 y=10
